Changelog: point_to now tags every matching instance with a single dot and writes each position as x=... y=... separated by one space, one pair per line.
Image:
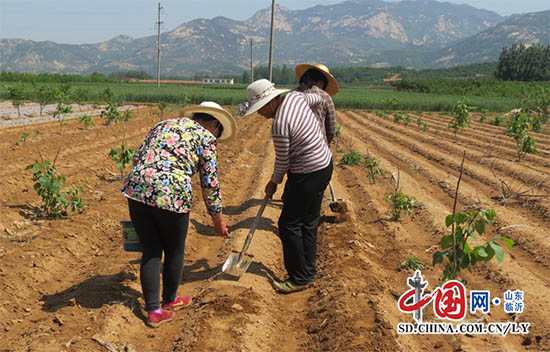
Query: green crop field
x=349 y=97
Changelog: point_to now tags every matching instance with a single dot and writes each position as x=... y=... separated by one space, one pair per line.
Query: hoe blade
x=237 y=264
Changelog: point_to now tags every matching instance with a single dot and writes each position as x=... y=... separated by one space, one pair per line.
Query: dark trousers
x=299 y=220
x=159 y=230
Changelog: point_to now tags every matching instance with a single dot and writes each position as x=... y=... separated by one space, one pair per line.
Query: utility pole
x=158 y=47
x=271 y=41
x=251 y=63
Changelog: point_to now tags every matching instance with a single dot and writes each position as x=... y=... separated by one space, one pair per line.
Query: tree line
x=96 y=77
x=524 y=63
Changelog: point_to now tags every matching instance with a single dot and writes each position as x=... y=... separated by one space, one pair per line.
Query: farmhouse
x=218 y=80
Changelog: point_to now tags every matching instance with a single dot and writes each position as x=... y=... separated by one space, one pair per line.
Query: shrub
x=111 y=114
x=401 y=202
x=86 y=120
x=352 y=158
x=50 y=186
x=499 y=120
x=412 y=263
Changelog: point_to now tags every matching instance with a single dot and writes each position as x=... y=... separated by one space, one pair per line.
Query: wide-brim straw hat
x=259 y=93
x=216 y=111
x=332 y=86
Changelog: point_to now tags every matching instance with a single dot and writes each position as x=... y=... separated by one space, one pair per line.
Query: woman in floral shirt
x=159 y=198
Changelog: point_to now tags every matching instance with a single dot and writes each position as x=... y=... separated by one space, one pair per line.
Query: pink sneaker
x=177 y=304
x=154 y=319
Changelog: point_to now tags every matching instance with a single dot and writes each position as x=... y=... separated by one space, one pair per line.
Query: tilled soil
x=67 y=285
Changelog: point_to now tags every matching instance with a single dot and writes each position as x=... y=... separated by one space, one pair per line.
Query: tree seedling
x=499 y=120
x=162 y=106
x=23 y=138
x=352 y=158
x=86 y=120
x=372 y=166
x=17 y=96
x=412 y=263
x=60 y=112
x=50 y=186
x=400 y=202
x=111 y=114
x=461 y=113
x=466 y=224
x=122 y=156
x=457 y=253
x=518 y=126
x=46 y=95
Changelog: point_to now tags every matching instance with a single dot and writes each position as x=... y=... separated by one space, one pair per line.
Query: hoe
x=238 y=263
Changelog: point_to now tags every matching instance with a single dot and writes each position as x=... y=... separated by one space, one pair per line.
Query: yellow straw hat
x=216 y=111
x=332 y=86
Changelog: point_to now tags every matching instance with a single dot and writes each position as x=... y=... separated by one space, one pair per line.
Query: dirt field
x=67 y=285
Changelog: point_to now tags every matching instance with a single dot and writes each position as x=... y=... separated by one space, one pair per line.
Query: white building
x=218 y=80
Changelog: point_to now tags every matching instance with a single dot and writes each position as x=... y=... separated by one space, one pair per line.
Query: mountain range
x=411 y=33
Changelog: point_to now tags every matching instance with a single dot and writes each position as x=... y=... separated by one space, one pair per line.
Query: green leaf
x=446 y=241
x=449 y=220
x=438 y=257
x=490 y=253
x=499 y=252
x=480 y=226
x=509 y=242
x=464 y=261
x=467 y=248
x=461 y=218
x=470 y=232
x=481 y=252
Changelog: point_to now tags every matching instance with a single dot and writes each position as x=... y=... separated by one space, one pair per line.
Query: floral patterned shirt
x=171 y=153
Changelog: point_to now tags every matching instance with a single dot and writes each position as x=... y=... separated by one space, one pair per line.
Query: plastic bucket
x=130 y=238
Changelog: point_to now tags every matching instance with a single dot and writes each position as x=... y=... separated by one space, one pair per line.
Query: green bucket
x=130 y=238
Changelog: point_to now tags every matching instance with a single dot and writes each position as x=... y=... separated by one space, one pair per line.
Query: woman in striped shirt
x=303 y=155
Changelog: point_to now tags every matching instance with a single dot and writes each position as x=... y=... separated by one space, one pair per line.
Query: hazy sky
x=93 y=21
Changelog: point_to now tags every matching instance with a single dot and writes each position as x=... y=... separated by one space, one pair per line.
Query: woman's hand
x=270 y=189
x=219 y=226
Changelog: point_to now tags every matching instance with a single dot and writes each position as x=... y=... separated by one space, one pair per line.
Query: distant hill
x=531 y=28
x=421 y=33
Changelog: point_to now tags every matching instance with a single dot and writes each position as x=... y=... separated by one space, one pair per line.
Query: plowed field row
x=484 y=139
x=66 y=284
x=423 y=176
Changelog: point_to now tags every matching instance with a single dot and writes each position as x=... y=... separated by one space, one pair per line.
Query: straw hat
x=332 y=86
x=217 y=112
x=259 y=93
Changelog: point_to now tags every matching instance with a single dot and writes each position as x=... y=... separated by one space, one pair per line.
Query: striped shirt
x=300 y=145
x=325 y=111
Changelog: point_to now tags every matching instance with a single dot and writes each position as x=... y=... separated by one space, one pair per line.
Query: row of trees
x=281 y=75
x=95 y=77
x=372 y=75
x=524 y=63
